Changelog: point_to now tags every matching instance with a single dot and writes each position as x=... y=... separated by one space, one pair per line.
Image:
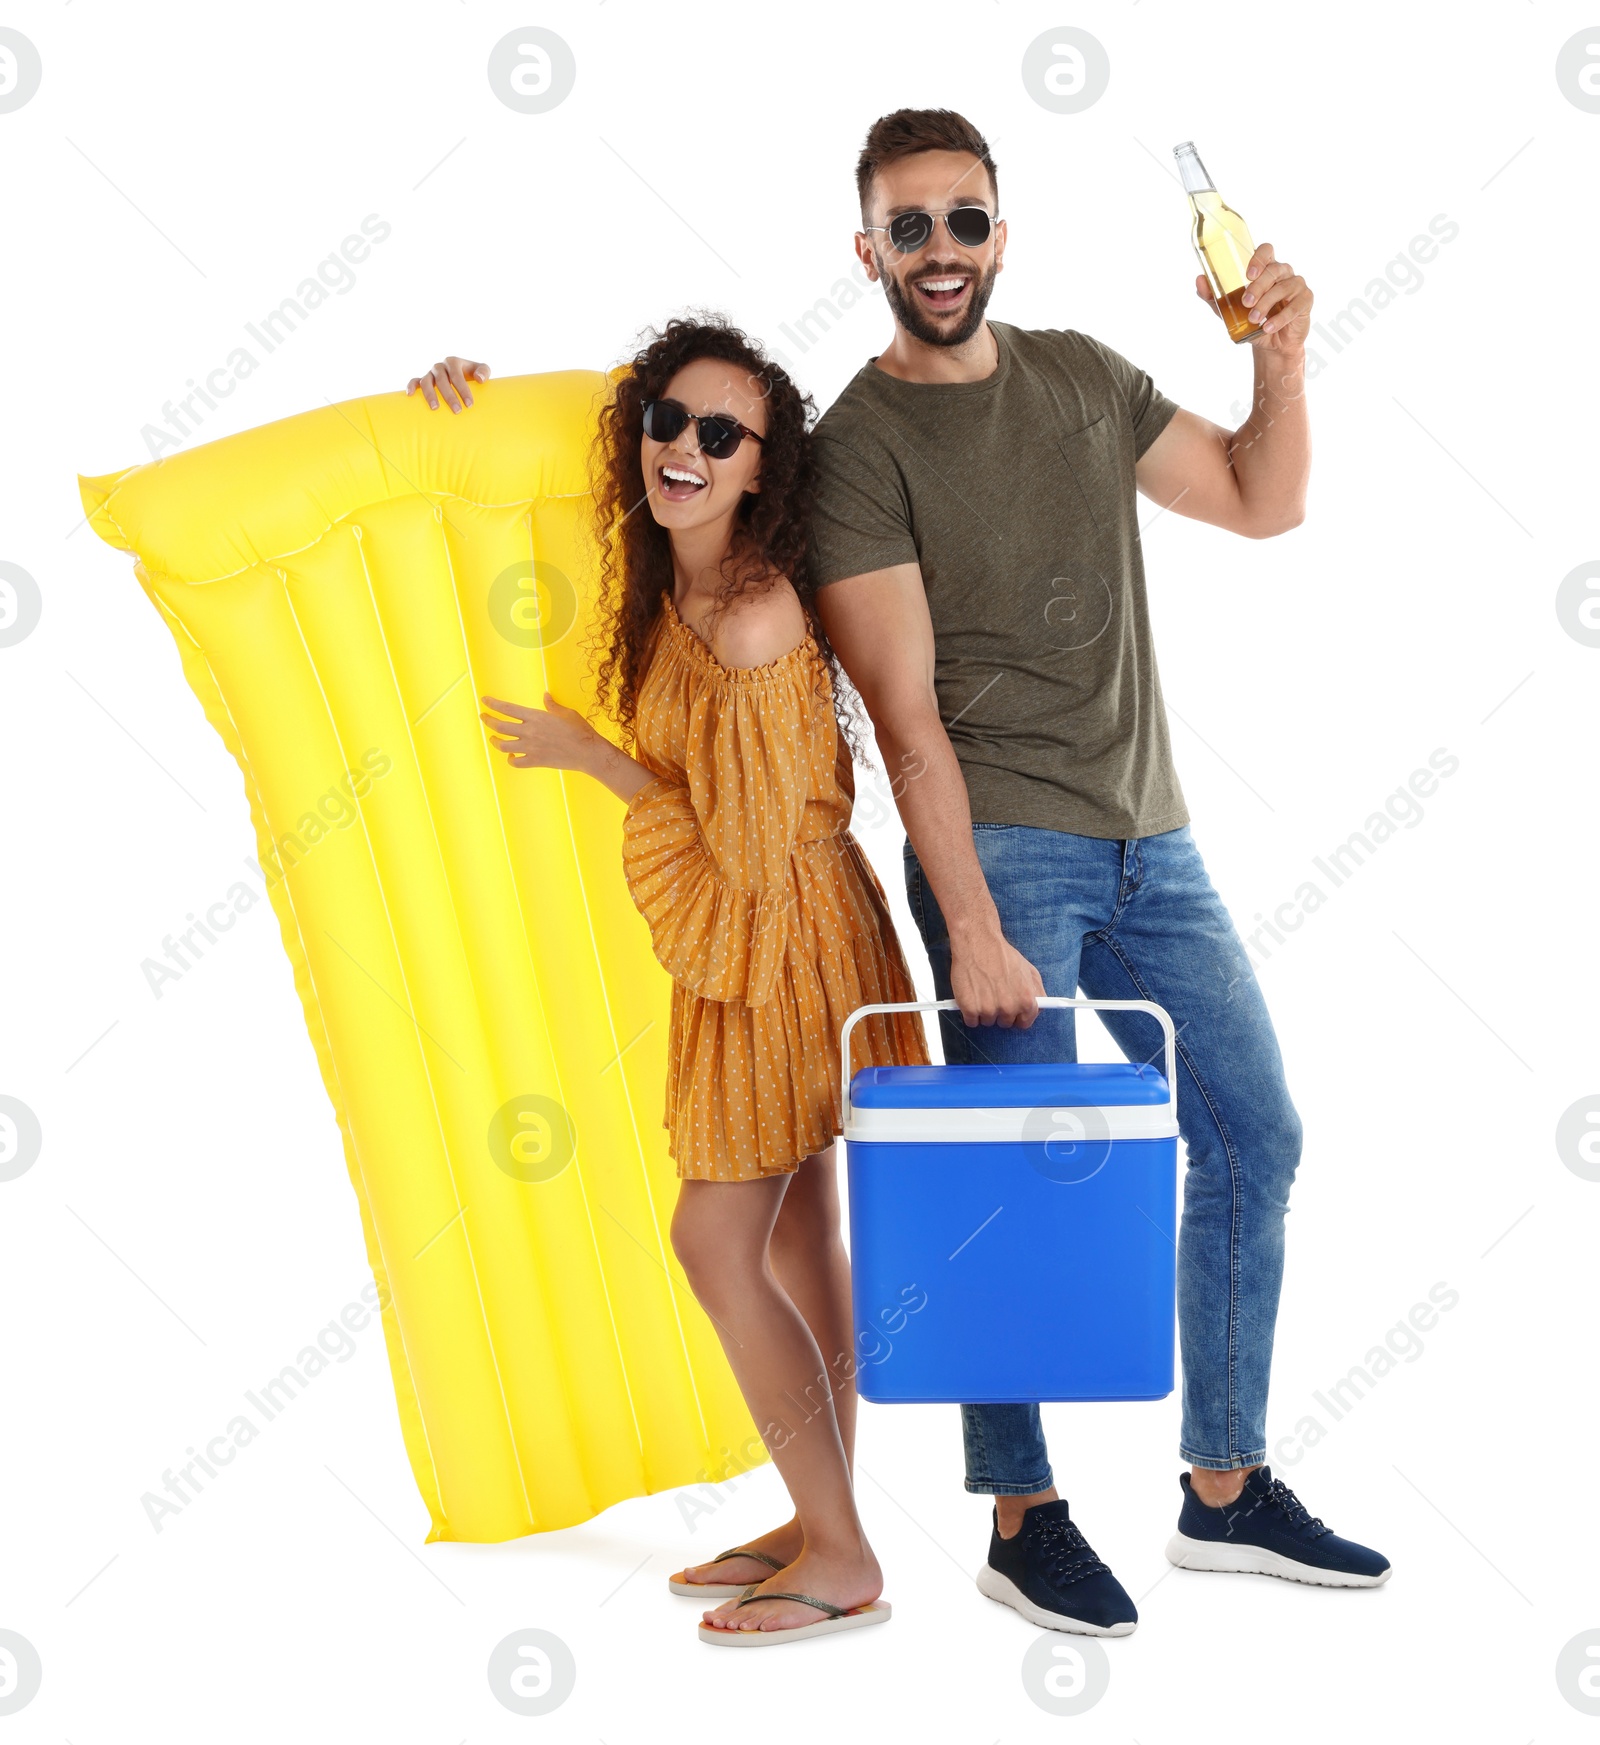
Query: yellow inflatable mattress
x=490 y=1023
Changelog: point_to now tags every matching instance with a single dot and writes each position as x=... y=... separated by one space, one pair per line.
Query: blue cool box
x=1013 y=1231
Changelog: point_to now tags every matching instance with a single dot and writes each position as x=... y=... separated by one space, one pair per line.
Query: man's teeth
x=940 y=284
x=679 y=476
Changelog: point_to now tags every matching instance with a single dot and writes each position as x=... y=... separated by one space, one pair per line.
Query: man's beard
x=921 y=325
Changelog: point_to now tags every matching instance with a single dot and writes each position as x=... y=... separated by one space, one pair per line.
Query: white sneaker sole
x=1000 y=1587
x=1189 y=1553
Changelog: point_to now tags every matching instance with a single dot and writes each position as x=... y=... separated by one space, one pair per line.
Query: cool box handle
x=1157 y=1012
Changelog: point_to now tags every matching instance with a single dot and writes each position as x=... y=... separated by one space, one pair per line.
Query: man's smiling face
x=939 y=293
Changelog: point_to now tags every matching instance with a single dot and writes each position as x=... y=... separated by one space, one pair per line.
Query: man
x=977 y=550
x=977 y=555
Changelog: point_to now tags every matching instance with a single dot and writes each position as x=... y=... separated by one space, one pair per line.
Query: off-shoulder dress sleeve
x=707 y=860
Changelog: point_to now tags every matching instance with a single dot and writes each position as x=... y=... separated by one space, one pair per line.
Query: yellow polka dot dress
x=761 y=904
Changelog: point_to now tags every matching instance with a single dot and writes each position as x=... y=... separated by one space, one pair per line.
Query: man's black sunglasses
x=720 y=434
x=970 y=226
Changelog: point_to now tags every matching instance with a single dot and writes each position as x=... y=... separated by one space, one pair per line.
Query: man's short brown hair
x=908 y=131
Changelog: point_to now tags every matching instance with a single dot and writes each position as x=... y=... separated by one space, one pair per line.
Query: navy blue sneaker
x=1047 y=1571
x=1267 y=1530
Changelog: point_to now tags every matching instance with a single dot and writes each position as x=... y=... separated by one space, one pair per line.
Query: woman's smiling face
x=687 y=487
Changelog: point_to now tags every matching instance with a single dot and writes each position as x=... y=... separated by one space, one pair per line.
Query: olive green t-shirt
x=1016 y=496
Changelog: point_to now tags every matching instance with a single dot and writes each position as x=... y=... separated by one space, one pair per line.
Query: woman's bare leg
x=721 y=1233
x=809 y=1258
x=807 y=1253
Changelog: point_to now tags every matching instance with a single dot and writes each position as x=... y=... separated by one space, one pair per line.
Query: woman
x=738 y=782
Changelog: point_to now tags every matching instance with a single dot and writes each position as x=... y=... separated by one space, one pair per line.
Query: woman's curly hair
x=771 y=534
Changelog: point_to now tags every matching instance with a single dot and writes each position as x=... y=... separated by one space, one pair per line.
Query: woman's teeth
x=679 y=482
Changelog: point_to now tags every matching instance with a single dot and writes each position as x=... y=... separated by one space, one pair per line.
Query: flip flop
x=723 y=1590
x=878 y=1612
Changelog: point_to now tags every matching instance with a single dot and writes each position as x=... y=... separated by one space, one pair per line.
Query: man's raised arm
x=1251 y=480
x=879 y=626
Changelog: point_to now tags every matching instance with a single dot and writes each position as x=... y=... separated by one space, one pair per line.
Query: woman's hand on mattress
x=554 y=737
x=449 y=379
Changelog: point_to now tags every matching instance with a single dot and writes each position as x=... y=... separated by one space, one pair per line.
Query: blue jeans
x=1139 y=920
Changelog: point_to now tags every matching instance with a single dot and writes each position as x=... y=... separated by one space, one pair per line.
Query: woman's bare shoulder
x=760 y=627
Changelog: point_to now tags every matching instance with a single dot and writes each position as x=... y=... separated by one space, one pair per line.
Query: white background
x=189 y=1226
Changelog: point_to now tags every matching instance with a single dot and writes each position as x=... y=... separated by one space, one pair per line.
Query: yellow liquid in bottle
x=1222 y=240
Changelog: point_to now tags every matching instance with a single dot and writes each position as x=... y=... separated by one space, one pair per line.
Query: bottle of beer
x=1222 y=240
